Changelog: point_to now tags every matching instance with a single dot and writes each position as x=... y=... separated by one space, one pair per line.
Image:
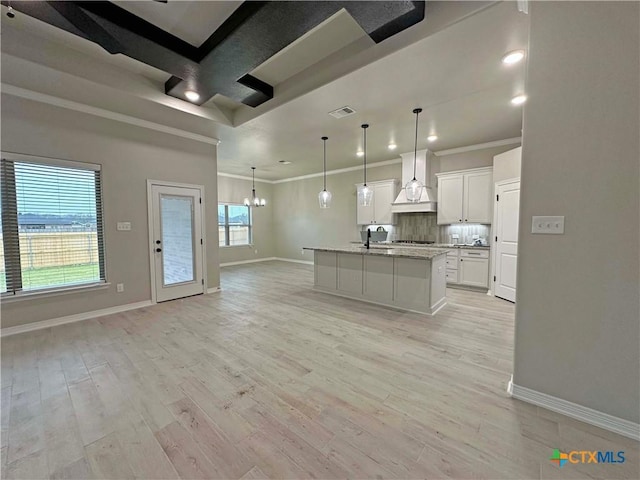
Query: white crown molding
x=394 y=161
x=584 y=414
x=101 y=112
x=341 y=170
x=479 y=146
x=241 y=177
x=52 y=322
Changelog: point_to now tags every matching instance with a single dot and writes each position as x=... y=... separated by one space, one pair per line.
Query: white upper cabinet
x=450 y=195
x=465 y=196
x=379 y=212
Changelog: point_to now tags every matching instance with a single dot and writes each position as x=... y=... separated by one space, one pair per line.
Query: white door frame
x=151 y=245
x=494 y=250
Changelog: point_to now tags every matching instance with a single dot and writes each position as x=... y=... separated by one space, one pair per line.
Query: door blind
x=52 y=228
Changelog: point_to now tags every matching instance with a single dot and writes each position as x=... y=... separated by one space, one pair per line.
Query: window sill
x=54 y=292
x=248 y=245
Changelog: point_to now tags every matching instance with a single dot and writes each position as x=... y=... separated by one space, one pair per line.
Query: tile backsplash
x=424 y=227
x=417 y=226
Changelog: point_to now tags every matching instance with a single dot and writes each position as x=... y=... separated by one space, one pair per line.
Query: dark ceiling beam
x=83 y=22
x=268 y=27
x=255 y=32
x=98 y=21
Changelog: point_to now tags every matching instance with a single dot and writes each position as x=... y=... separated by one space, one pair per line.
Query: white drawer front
x=452 y=276
x=452 y=263
x=474 y=253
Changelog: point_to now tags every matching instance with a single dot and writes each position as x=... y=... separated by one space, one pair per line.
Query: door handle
x=158 y=242
x=158 y=250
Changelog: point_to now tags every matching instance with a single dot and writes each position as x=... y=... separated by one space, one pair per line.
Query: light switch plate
x=124 y=226
x=547 y=225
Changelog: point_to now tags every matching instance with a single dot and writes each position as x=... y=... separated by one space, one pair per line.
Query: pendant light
x=324 y=197
x=255 y=201
x=365 y=193
x=414 y=187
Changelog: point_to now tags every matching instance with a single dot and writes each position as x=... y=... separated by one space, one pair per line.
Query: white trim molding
x=584 y=414
x=243 y=262
x=479 y=146
x=393 y=161
x=314 y=175
x=101 y=112
x=78 y=317
x=214 y=290
x=242 y=177
x=293 y=260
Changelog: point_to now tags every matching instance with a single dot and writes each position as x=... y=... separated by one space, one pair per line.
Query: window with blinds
x=51 y=225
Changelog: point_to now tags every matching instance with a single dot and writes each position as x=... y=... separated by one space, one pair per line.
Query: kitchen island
x=412 y=279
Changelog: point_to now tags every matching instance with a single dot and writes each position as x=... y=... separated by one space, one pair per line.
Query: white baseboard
x=52 y=322
x=214 y=290
x=293 y=260
x=255 y=260
x=584 y=414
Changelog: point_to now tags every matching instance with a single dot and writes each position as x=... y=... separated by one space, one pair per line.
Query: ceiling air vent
x=342 y=112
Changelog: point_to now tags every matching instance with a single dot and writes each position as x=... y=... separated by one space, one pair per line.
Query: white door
x=176 y=242
x=450 y=199
x=477 y=202
x=506 y=244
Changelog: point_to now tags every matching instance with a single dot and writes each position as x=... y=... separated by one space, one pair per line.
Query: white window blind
x=51 y=229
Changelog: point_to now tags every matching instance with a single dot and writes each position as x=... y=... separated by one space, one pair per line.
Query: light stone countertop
x=405 y=252
x=421 y=245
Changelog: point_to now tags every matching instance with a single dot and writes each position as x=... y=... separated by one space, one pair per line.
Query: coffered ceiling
x=448 y=64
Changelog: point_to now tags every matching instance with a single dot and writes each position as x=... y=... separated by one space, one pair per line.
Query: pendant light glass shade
x=324 y=197
x=365 y=193
x=413 y=188
x=365 y=196
x=254 y=200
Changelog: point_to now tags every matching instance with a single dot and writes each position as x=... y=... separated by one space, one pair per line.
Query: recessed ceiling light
x=519 y=99
x=392 y=146
x=284 y=162
x=360 y=153
x=513 y=57
x=192 y=96
x=432 y=138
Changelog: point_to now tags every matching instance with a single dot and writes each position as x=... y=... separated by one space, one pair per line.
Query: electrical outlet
x=120 y=287
x=547 y=225
x=124 y=226
x=256 y=251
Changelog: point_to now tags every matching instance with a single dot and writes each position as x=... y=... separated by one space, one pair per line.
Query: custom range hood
x=427 y=201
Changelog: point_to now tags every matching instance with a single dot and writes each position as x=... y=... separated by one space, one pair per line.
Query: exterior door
x=507 y=220
x=176 y=242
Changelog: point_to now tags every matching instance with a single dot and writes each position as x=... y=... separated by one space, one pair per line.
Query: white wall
x=578 y=307
x=129 y=156
x=234 y=190
x=507 y=165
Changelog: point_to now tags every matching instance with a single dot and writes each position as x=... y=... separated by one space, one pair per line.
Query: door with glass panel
x=176 y=242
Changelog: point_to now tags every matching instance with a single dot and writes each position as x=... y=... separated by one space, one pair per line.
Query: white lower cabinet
x=468 y=267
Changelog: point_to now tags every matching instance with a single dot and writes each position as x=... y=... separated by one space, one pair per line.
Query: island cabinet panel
x=350 y=273
x=378 y=278
x=438 y=280
x=411 y=278
x=325 y=272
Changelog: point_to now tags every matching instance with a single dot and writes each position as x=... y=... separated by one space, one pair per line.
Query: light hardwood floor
x=271 y=379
